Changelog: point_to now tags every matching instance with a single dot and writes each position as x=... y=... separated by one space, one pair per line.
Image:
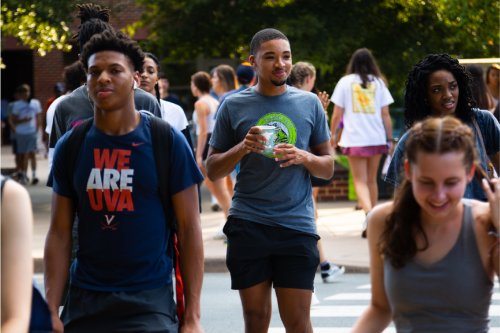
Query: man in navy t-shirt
x=121 y=279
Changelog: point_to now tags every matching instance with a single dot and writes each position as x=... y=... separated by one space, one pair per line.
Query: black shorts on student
x=91 y=311
x=257 y=252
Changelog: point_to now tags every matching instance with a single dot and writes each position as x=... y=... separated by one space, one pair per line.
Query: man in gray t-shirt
x=272 y=239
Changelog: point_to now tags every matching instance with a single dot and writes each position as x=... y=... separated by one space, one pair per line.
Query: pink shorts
x=365 y=151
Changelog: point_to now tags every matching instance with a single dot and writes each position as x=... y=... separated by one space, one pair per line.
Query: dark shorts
x=365 y=151
x=26 y=143
x=125 y=311
x=257 y=252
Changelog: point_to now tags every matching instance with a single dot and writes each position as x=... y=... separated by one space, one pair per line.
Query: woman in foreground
x=433 y=254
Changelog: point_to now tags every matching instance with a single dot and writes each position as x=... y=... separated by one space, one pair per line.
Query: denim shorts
x=257 y=252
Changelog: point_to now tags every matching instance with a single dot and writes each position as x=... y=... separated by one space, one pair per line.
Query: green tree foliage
x=399 y=32
x=40 y=25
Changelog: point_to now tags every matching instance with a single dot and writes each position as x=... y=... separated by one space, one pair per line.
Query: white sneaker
x=220 y=235
x=331 y=275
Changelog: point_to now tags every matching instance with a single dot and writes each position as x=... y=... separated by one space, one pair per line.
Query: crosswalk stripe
x=349 y=297
x=367 y=297
x=357 y=310
x=328 y=330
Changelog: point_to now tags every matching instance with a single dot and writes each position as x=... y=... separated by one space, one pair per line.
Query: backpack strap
x=73 y=145
x=161 y=137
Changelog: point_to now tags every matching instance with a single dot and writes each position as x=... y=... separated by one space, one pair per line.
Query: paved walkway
x=339 y=226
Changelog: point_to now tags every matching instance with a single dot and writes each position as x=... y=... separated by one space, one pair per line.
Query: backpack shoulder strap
x=161 y=136
x=74 y=143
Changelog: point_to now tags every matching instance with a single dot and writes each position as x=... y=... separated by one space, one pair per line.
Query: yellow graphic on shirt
x=363 y=100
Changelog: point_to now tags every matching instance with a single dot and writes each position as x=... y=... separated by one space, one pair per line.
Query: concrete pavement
x=339 y=225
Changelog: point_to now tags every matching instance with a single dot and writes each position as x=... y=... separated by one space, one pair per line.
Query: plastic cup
x=269 y=132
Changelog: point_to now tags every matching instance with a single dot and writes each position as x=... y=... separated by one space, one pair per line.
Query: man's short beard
x=278 y=83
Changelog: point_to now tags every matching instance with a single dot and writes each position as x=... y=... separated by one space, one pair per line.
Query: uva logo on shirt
x=109 y=185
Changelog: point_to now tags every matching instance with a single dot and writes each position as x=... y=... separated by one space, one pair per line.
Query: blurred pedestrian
x=361 y=99
x=59 y=90
x=25 y=119
x=272 y=202
x=204 y=120
x=165 y=94
x=439 y=86
x=493 y=81
x=223 y=80
x=303 y=76
x=432 y=254
x=480 y=92
x=170 y=112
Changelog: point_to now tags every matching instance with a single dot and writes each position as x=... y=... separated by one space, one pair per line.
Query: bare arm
x=494 y=217
x=338 y=113
x=202 y=111
x=17 y=263
x=57 y=254
x=191 y=259
x=386 y=119
x=378 y=314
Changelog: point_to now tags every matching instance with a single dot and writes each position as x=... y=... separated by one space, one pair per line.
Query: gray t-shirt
x=77 y=107
x=264 y=192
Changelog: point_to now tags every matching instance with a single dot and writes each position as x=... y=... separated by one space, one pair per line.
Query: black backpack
x=161 y=136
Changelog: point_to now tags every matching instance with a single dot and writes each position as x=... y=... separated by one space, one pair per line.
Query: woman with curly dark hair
x=439 y=86
x=432 y=259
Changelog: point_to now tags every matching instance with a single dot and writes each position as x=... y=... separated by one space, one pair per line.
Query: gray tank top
x=451 y=295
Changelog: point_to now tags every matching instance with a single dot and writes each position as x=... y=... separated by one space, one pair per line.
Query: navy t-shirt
x=122 y=230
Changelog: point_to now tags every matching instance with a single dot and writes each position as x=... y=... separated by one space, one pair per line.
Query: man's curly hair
x=113 y=41
x=416 y=106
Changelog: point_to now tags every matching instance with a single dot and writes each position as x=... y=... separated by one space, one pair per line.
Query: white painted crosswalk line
x=327 y=330
x=349 y=297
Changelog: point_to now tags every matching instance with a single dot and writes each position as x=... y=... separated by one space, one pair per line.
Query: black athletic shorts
x=257 y=252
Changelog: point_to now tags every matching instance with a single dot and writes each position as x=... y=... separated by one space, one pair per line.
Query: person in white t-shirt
x=362 y=99
x=170 y=112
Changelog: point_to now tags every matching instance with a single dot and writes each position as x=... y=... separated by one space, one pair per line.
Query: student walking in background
x=25 y=118
x=272 y=203
x=362 y=100
x=170 y=112
x=480 y=93
x=303 y=76
x=204 y=120
x=493 y=82
x=432 y=253
x=439 y=86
